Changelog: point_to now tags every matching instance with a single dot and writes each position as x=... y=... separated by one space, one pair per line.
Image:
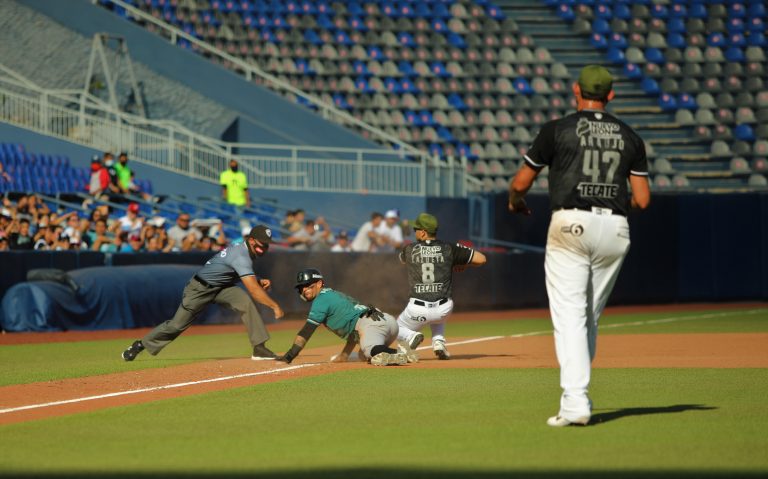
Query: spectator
x=100 y=239
x=288 y=220
x=134 y=244
x=184 y=236
x=234 y=186
x=367 y=239
x=3 y=241
x=342 y=243
x=20 y=237
x=125 y=178
x=114 y=183
x=4 y=175
x=45 y=238
x=315 y=236
x=131 y=222
x=390 y=233
x=73 y=230
x=99 y=182
x=299 y=217
x=6 y=218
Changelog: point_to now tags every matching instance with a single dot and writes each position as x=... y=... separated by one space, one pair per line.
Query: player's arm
x=518 y=188
x=260 y=296
x=298 y=344
x=352 y=341
x=641 y=192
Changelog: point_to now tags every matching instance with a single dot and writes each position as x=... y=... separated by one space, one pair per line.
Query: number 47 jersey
x=590 y=155
x=430 y=267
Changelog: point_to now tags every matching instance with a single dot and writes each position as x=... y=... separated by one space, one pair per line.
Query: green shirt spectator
x=234 y=186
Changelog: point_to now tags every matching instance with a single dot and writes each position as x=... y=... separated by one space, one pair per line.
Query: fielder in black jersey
x=593 y=158
x=430 y=263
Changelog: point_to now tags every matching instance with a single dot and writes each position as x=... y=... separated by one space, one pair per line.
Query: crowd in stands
x=30 y=224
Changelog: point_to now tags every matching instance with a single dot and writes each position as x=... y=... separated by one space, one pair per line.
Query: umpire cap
x=262 y=234
x=307 y=276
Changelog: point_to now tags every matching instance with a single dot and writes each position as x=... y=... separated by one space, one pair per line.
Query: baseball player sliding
x=430 y=265
x=349 y=319
x=591 y=155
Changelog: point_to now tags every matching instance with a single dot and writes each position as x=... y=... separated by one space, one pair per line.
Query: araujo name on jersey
x=599 y=134
x=428 y=287
x=598 y=190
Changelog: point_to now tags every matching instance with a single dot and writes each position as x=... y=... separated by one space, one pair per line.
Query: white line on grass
x=618 y=325
x=300 y=366
x=156 y=388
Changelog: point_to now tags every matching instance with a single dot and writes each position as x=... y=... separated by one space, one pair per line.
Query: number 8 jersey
x=430 y=267
x=590 y=155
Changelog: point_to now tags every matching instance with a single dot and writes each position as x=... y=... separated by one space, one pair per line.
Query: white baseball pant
x=585 y=250
x=418 y=314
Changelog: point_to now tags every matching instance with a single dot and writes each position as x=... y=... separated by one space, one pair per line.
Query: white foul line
x=157 y=388
x=617 y=325
x=300 y=366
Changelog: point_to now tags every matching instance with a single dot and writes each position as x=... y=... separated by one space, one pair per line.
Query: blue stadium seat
x=456 y=40
x=598 y=41
x=716 y=39
x=667 y=102
x=686 y=101
x=616 y=55
x=632 y=71
x=744 y=132
x=734 y=54
x=601 y=25
x=617 y=40
x=650 y=86
x=654 y=55
x=564 y=12
x=457 y=102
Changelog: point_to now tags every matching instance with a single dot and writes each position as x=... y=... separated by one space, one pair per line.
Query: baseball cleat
x=415 y=340
x=389 y=359
x=133 y=351
x=559 y=421
x=262 y=353
x=440 y=350
x=411 y=355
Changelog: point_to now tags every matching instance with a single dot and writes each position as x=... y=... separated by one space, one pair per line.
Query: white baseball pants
x=418 y=314
x=585 y=250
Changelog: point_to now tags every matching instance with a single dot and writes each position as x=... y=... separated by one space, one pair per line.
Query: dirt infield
x=77 y=395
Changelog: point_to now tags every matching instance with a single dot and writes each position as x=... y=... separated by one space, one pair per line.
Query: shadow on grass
x=400 y=474
x=604 y=417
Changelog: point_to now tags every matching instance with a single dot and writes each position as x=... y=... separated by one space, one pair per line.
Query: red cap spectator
x=133 y=207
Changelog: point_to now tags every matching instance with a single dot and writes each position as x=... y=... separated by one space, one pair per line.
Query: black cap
x=261 y=233
x=307 y=276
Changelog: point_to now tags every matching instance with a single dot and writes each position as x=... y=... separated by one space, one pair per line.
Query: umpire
x=590 y=155
x=216 y=282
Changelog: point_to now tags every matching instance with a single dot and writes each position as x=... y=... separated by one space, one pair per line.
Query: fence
x=77 y=116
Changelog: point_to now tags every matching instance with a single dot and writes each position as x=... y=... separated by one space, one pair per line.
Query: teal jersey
x=337 y=311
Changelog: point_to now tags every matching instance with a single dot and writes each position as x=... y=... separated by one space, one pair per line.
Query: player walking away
x=430 y=265
x=349 y=319
x=590 y=155
x=216 y=282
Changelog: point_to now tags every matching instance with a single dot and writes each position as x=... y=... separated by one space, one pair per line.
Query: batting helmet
x=306 y=277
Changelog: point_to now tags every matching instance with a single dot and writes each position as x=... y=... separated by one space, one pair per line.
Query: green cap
x=595 y=80
x=426 y=222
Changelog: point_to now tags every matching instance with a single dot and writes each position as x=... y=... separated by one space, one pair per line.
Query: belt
x=595 y=209
x=203 y=282
x=419 y=302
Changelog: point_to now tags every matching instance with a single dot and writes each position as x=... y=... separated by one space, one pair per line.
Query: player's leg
x=611 y=250
x=410 y=322
x=376 y=337
x=240 y=301
x=436 y=321
x=567 y=271
x=194 y=298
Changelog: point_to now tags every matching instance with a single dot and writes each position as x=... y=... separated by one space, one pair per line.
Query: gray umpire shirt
x=228 y=266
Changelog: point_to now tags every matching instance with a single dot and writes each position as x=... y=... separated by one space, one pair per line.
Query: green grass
x=28 y=363
x=44 y=362
x=397 y=422
x=402 y=422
